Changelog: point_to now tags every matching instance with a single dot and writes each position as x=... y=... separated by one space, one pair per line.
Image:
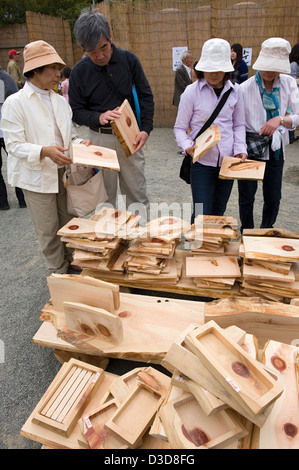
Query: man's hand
x=109 y=115
x=55 y=153
x=140 y=140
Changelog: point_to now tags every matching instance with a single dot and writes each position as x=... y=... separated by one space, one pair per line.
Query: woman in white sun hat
x=271 y=101
x=210 y=194
x=38 y=131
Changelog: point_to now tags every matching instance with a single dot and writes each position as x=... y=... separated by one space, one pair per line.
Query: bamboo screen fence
x=152 y=28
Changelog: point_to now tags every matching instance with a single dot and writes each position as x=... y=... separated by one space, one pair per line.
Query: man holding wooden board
x=99 y=84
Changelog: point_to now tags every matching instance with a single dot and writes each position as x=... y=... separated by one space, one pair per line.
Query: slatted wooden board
x=67 y=396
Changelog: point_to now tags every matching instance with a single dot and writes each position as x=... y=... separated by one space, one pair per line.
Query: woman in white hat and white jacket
x=37 y=127
x=210 y=194
x=271 y=102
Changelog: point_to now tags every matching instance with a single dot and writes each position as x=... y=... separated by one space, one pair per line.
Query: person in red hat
x=13 y=68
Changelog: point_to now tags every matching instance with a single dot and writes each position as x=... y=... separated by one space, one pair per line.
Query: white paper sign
x=176 y=56
x=247 y=55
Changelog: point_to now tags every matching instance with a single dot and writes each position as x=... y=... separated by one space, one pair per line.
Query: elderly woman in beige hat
x=38 y=131
x=210 y=194
x=271 y=101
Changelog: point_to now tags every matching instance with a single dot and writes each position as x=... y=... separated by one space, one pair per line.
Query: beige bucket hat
x=274 y=56
x=40 y=53
x=215 y=56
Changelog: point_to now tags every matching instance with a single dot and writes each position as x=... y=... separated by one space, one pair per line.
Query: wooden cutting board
x=233 y=168
x=206 y=141
x=271 y=248
x=126 y=128
x=95 y=156
x=209 y=266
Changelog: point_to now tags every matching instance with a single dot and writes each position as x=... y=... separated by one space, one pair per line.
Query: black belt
x=102 y=130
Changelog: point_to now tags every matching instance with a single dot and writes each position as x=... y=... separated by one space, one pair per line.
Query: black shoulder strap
x=110 y=84
x=215 y=113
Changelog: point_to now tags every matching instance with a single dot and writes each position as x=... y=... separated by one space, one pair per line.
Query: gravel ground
x=26 y=370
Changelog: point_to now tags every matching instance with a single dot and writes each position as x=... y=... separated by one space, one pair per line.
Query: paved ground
x=26 y=370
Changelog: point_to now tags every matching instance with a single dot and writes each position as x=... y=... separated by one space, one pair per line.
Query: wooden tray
x=97 y=436
x=253 y=387
x=126 y=128
x=134 y=416
x=67 y=396
x=180 y=357
x=187 y=426
x=233 y=168
x=95 y=156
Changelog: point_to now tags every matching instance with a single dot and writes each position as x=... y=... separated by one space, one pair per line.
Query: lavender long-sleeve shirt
x=197 y=103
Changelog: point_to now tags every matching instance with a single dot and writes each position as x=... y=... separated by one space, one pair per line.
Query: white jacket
x=27 y=127
x=255 y=114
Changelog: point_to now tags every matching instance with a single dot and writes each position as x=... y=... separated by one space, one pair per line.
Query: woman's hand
x=270 y=127
x=86 y=142
x=242 y=156
x=190 y=150
x=55 y=153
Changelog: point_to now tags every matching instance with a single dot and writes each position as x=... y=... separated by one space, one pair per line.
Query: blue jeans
x=210 y=194
x=272 y=183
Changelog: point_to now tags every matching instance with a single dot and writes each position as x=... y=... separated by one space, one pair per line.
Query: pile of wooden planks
x=217 y=390
x=214 y=264
x=212 y=234
x=270 y=264
x=111 y=244
x=151 y=256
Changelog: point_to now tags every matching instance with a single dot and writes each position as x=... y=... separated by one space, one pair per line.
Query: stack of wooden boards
x=270 y=264
x=111 y=243
x=214 y=261
x=216 y=391
x=262 y=262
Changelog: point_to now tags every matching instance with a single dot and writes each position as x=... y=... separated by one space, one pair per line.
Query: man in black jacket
x=98 y=85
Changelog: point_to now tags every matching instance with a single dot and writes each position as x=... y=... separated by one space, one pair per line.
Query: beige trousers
x=48 y=212
x=131 y=178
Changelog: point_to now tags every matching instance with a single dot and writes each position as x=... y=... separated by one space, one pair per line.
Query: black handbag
x=187 y=160
x=256 y=145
